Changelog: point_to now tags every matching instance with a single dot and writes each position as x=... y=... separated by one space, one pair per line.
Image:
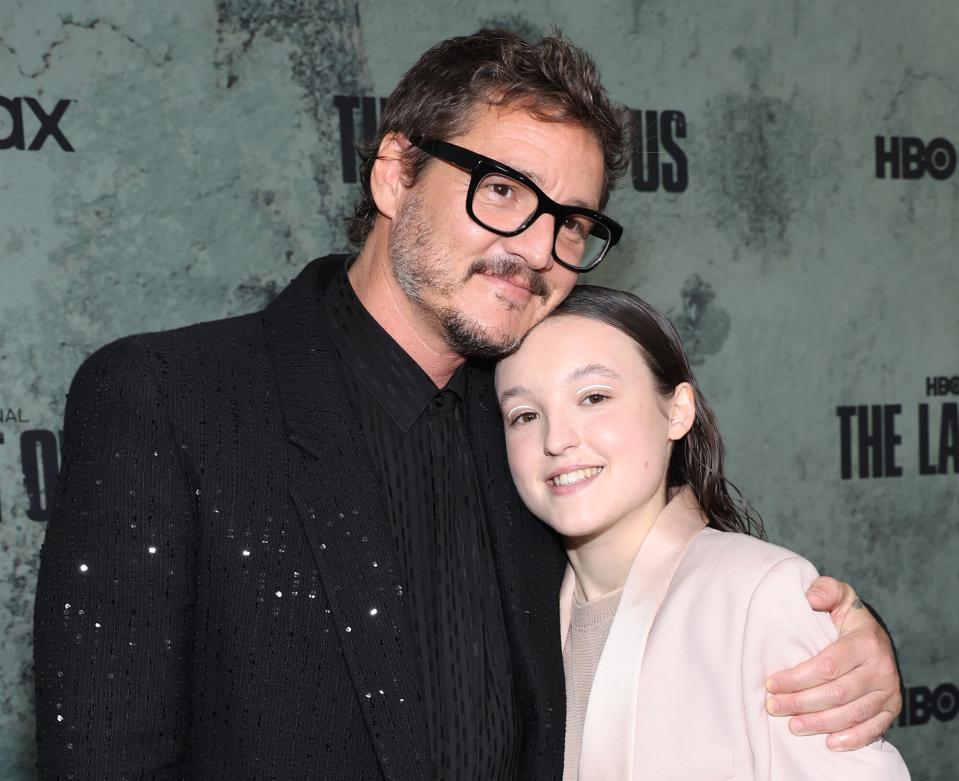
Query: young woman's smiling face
x=587 y=433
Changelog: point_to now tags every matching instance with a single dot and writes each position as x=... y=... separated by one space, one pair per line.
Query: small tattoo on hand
x=858 y=605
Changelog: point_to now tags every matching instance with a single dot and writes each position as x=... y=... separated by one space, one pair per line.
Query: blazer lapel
x=609 y=730
x=333 y=487
x=529 y=568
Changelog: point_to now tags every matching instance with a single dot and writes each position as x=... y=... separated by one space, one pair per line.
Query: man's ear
x=388 y=178
x=682 y=411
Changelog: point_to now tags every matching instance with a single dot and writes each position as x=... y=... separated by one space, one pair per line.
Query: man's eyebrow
x=538 y=181
x=511 y=393
x=592 y=368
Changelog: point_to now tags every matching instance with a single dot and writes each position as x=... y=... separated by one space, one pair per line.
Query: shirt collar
x=381 y=366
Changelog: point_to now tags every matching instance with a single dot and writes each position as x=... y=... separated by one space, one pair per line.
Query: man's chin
x=472 y=338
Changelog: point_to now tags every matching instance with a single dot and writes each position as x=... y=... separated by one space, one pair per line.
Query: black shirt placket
x=417 y=440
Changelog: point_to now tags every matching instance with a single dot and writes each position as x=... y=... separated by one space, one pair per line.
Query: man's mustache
x=513 y=270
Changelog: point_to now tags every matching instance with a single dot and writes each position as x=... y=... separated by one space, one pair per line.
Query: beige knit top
x=588 y=628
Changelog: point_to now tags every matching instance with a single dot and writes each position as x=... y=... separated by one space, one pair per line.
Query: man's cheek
x=562 y=280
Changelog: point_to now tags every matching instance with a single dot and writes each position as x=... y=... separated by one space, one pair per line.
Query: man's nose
x=535 y=244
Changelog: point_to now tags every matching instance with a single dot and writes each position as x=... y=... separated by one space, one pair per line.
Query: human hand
x=851 y=689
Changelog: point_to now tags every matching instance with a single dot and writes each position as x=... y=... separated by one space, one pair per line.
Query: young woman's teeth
x=574 y=477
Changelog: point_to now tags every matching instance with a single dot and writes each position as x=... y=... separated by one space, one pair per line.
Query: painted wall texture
x=793 y=206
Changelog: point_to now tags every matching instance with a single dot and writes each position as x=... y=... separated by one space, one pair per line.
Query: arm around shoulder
x=781 y=631
x=113 y=615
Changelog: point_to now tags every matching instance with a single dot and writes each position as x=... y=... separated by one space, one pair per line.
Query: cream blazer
x=679 y=692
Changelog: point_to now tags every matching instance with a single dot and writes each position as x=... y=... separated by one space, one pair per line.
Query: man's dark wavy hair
x=437 y=98
x=697 y=459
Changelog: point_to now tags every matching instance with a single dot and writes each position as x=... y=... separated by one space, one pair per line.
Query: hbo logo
x=905 y=157
x=942 y=386
x=920 y=704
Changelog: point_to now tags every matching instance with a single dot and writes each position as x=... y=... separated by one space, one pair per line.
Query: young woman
x=671 y=612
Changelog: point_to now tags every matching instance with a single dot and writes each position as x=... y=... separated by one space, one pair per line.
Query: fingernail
x=837 y=742
x=817 y=592
x=797 y=727
x=772 y=685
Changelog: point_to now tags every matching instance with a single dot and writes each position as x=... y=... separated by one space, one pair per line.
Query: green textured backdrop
x=207 y=169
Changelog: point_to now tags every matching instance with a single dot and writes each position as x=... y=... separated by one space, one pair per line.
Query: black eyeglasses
x=506 y=202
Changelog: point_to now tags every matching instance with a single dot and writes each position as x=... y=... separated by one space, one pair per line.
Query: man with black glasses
x=310 y=561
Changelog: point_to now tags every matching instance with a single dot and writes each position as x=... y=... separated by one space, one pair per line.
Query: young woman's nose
x=560 y=437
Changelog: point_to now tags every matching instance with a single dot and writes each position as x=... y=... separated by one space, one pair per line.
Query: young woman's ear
x=682 y=411
x=388 y=178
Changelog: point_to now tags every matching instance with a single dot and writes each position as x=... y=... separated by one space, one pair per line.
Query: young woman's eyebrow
x=511 y=393
x=592 y=368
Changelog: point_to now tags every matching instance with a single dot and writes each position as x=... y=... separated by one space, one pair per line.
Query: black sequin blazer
x=218 y=597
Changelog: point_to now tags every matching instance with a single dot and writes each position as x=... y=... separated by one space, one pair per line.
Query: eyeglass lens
x=503 y=203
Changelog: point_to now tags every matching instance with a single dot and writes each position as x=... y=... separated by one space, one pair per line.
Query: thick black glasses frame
x=479 y=166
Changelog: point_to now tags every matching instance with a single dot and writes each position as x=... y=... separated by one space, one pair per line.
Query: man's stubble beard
x=420 y=266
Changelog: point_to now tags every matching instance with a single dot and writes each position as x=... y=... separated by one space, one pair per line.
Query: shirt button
x=438 y=400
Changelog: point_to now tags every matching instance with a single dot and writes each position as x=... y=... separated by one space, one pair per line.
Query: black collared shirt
x=417 y=439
